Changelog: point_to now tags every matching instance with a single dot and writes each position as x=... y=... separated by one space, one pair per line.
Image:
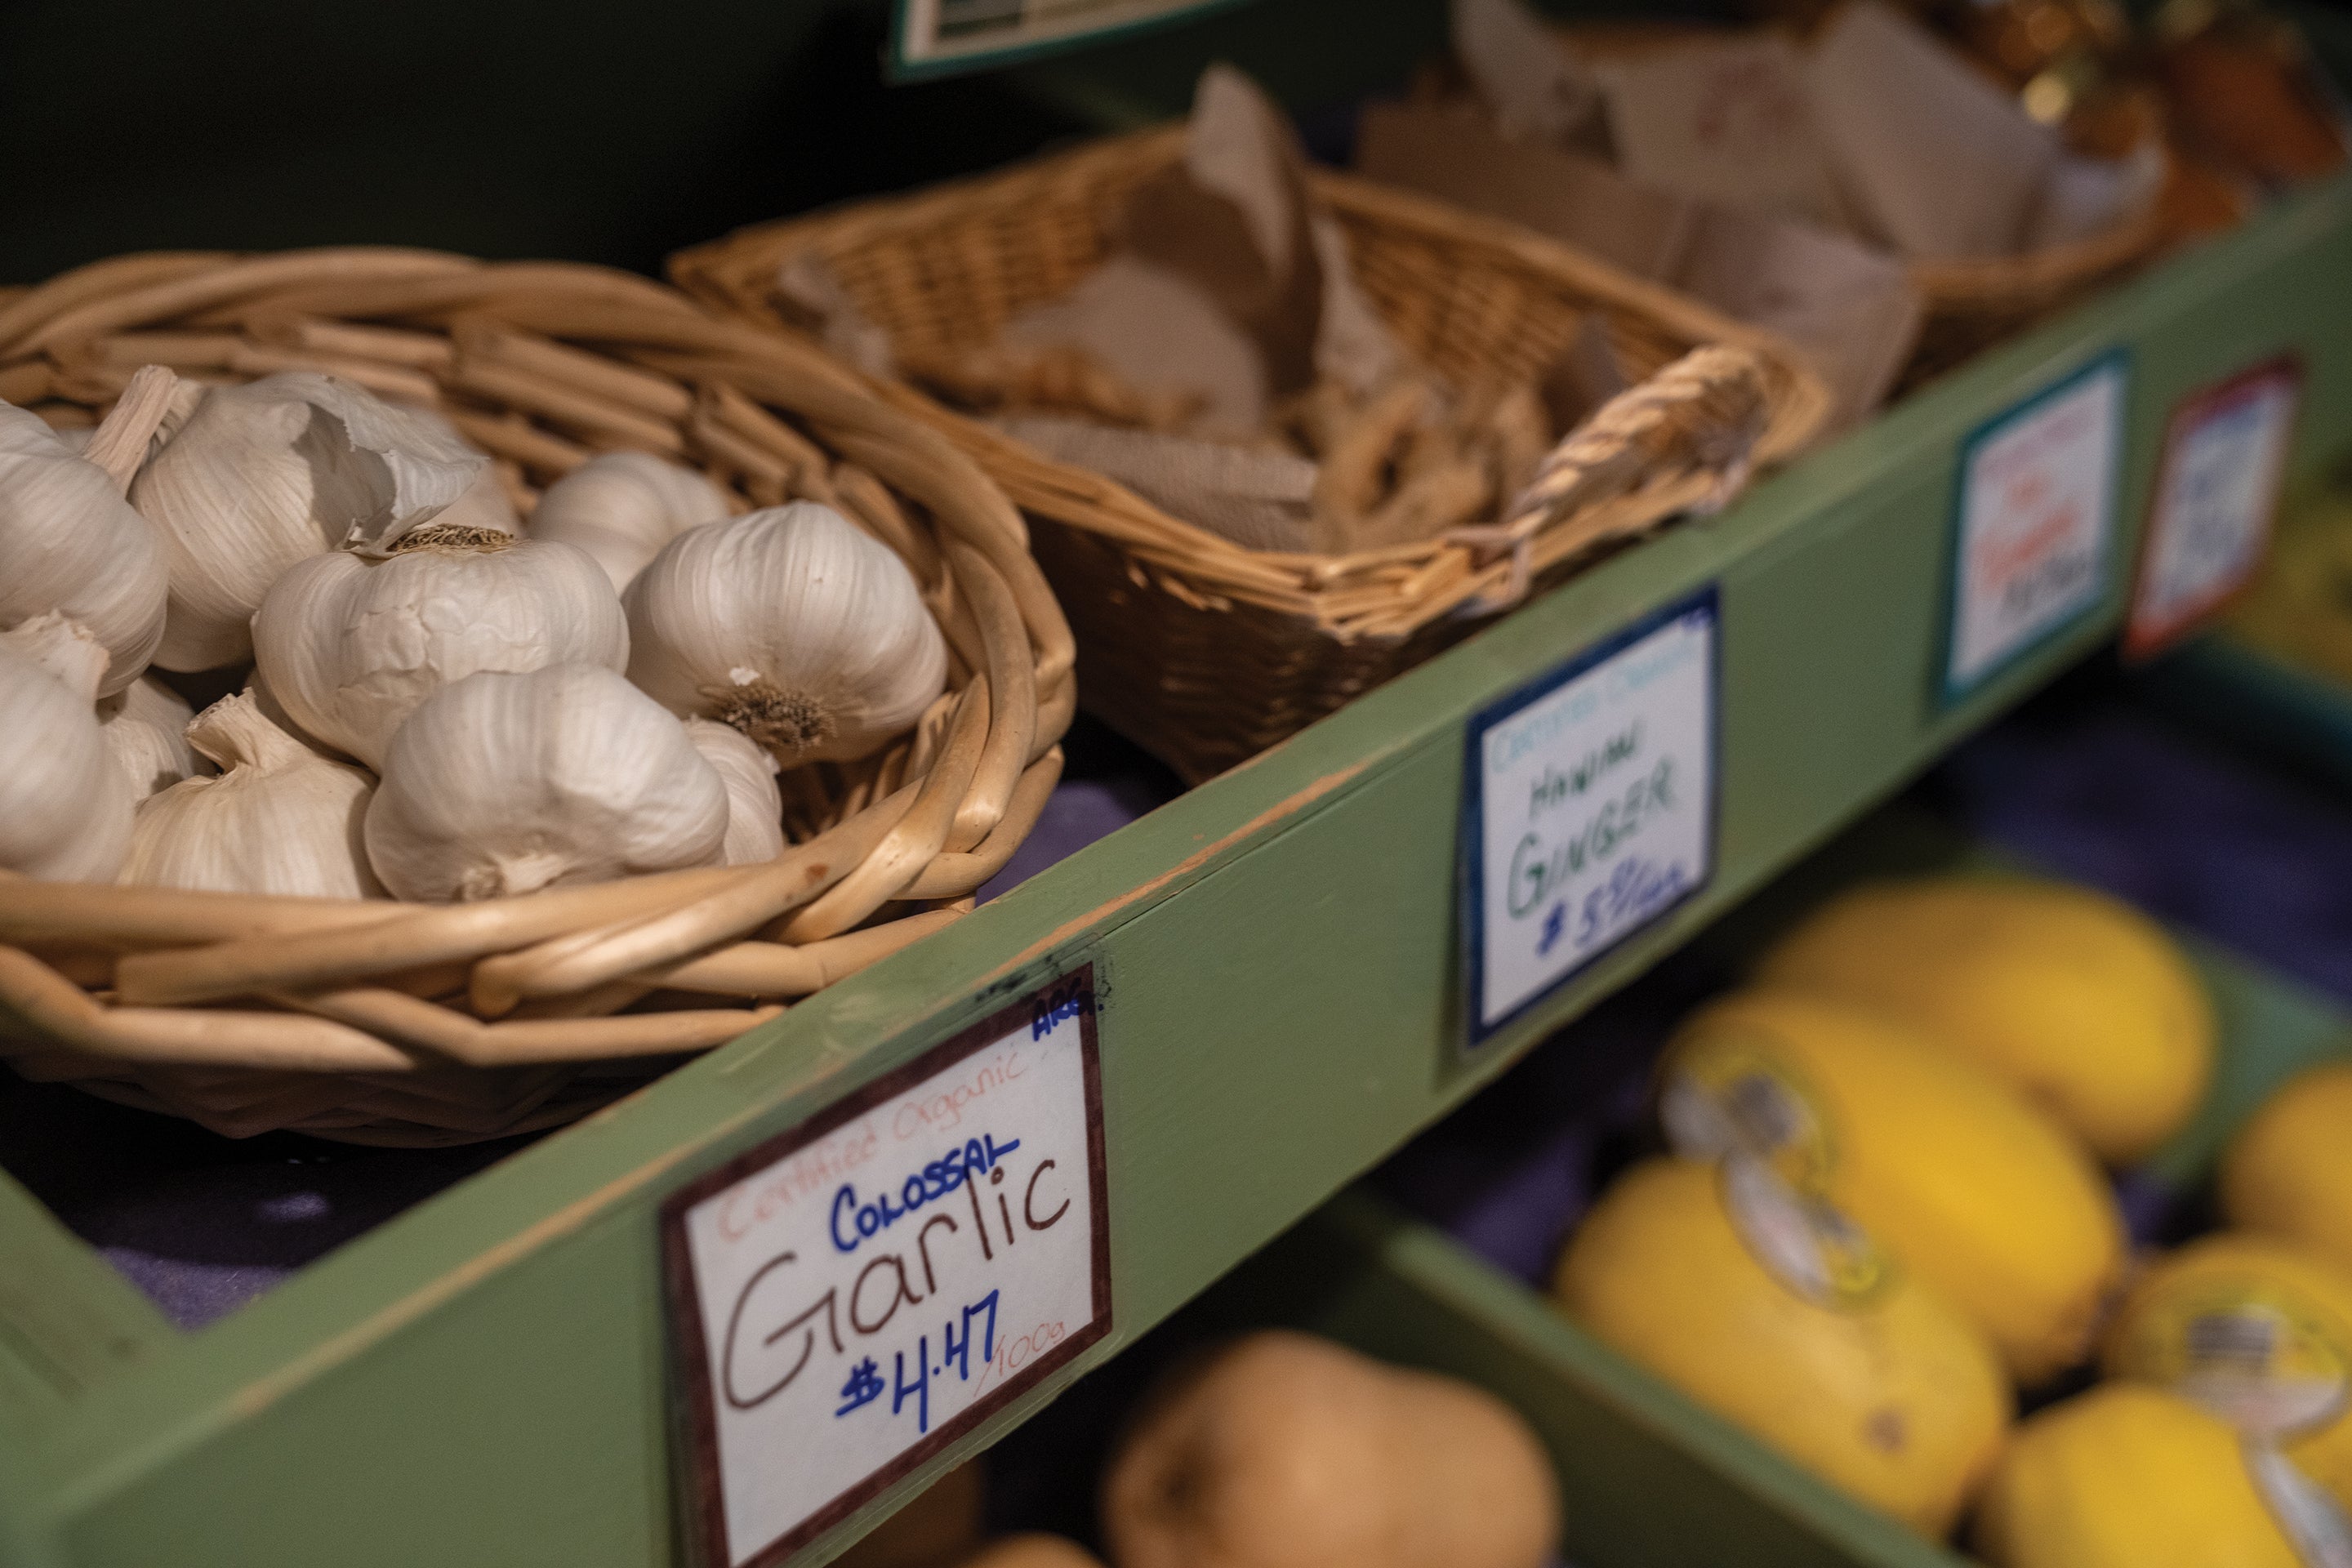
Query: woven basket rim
x=302 y=971
x=727 y=273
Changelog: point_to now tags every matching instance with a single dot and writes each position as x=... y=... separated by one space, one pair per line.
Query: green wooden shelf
x=485 y=1379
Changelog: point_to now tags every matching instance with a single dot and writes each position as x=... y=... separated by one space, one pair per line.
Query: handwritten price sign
x=853 y=1295
x=2035 y=520
x=1588 y=809
x=2217 y=489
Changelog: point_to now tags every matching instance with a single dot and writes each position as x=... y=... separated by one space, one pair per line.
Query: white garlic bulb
x=280 y=818
x=275 y=471
x=146 y=727
x=70 y=543
x=791 y=625
x=755 y=808
x=65 y=803
x=350 y=645
x=506 y=783
x=623 y=507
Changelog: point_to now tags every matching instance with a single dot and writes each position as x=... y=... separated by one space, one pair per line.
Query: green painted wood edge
x=54 y=1343
x=2188 y=321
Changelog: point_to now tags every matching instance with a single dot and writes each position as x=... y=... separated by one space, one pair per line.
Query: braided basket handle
x=1699 y=418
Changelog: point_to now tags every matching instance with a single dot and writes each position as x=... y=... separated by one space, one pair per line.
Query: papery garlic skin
x=791 y=625
x=267 y=474
x=623 y=507
x=348 y=645
x=70 y=543
x=755 y=808
x=65 y=803
x=279 y=818
x=505 y=784
x=145 y=725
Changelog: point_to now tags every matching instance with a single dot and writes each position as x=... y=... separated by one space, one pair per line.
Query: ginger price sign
x=1588 y=809
x=2034 y=523
x=851 y=1297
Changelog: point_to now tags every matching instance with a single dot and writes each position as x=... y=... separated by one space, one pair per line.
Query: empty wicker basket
x=1201 y=650
x=380 y=1022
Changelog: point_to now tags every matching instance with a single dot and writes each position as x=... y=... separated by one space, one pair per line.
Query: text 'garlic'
x=267 y=474
x=65 y=803
x=145 y=725
x=755 y=808
x=623 y=507
x=70 y=543
x=279 y=818
x=507 y=783
x=791 y=626
x=349 y=645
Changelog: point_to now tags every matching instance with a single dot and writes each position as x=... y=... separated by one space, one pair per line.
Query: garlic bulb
x=349 y=645
x=506 y=783
x=485 y=505
x=146 y=727
x=280 y=818
x=65 y=803
x=273 y=472
x=70 y=543
x=755 y=809
x=792 y=627
x=623 y=507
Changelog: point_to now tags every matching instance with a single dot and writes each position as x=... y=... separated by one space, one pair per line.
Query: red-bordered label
x=2216 y=490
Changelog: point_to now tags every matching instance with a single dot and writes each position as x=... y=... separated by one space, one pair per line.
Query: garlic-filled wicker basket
x=381 y=1022
x=1201 y=650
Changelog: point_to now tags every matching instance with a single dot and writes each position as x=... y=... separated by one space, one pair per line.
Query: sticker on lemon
x=1976 y=1189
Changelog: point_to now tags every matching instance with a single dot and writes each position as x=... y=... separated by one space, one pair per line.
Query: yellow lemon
x=2083 y=1003
x=2289 y=1170
x=2128 y=1475
x=1978 y=1191
x=1860 y=1374
x=2259 y=1332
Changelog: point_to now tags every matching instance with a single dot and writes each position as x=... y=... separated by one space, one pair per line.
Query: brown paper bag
x=1724 y=119
x=1259 y=499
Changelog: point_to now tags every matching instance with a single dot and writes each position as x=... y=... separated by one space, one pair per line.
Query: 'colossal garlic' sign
x=852 y=1296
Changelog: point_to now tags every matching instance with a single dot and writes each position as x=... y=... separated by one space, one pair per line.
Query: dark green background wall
x=609 y=130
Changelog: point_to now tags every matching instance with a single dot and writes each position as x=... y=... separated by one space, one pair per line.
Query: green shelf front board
x=485 y=1380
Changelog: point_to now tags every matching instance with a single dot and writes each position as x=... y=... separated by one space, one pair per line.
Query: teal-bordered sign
x=938 y=37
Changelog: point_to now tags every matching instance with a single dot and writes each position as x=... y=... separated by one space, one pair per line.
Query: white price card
x=849 y=1298
x=2035 y=521
x=1588 y=809
x=2216 y=490
x=931 y=38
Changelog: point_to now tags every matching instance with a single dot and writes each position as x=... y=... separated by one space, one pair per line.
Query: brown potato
x=1282 y=1450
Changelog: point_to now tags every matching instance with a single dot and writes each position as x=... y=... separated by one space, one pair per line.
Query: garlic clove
x=279 y=818
x=790 y=625
x=623 y=507
x=503 y=784
x=145 y=725
x=65 y=804
x=71 y=544
x=348 y=645
x=755 y=807
x=275 y=471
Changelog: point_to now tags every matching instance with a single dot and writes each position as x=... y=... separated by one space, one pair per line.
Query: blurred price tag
x=2216 y=490
x=933 y=37
x=1588 y=809
x=851 y=1297
x=2035 y=521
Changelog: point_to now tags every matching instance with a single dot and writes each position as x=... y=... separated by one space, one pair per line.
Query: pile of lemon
x=1885 y=1213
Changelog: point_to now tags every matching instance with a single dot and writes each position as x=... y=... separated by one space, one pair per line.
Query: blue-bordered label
x=2033 y=522
x=1588 y=807
x=938 y=37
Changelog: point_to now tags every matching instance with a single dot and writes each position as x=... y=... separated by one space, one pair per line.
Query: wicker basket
x=379 y=1022
x=1201 y=651
x=1968 y=306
